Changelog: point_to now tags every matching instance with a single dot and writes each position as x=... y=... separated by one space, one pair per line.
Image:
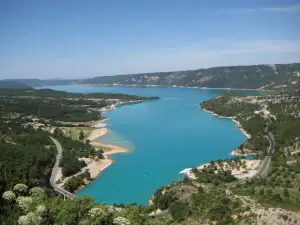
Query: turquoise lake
x=164 y=136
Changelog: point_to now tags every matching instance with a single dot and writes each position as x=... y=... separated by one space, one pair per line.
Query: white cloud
x=283 y=9
x=292 y=8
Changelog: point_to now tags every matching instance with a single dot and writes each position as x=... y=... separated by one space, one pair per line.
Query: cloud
x=283 y=9
x=292 y=8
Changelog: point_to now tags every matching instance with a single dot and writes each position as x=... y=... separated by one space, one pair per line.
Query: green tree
x=286 y=193
x=81 y=135
x=179 y=210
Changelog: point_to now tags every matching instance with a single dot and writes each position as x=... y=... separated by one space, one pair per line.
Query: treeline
x=62 y=94
x=26 y=155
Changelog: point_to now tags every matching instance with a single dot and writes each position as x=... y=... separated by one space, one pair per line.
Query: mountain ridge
x=265 y=76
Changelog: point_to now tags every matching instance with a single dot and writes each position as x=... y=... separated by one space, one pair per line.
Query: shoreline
x=97 y=133
x=232 y=118
x=175 y=86
x=115 y=105
x=96 y=166
x=238 y=173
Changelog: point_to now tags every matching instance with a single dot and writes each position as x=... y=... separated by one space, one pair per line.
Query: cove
x=164 y=136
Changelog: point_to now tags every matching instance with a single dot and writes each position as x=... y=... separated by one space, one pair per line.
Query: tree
x=286 y=193
x=81 y=135
x=100 y=155
x=262 y=191
x=87 y=175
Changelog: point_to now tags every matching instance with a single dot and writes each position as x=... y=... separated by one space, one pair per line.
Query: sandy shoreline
x=99 y=123
x=96 y=167
x=98 y=132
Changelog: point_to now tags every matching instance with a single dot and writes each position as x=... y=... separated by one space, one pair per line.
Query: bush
x=179 y=210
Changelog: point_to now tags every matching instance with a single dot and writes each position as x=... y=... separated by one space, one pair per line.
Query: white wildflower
x=23 y=220
x=37 y=192
x=33 y=218
x=20 y=188
x=30 y=218
x=24 y=202
x=41 y=210
x=9 y=196
x=121 y=221
x=95 y=212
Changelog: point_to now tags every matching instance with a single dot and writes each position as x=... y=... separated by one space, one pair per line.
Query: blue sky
x=77 y=39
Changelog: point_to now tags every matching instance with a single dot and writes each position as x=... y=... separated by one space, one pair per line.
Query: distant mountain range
x=273 y=76
x=38 y=82
x=12 y=84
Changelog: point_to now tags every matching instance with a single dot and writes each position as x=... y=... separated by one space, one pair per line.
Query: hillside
x=12 y=84
x=248 y=77
x=38 y=82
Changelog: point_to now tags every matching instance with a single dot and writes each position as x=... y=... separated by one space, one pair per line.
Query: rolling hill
x=12 y=84
x=39 y=82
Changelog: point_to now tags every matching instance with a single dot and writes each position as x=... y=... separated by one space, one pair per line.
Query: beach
x=96 y=166
x=98 y=132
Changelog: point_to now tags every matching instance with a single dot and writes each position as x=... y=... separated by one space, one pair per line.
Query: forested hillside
x=12 y=84
x=59 y=105
x=276 y=76
x=39 y=82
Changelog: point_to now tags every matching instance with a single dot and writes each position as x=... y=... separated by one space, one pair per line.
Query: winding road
x=55 y=172
x=265 y=164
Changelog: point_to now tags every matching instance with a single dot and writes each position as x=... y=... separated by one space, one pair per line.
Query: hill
x=274 y=76
x=12 y=84
x=38 y=82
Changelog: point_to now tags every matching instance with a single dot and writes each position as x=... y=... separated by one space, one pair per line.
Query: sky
x=80 y=39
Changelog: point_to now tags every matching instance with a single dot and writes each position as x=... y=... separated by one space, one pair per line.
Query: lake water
x=164 y=136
